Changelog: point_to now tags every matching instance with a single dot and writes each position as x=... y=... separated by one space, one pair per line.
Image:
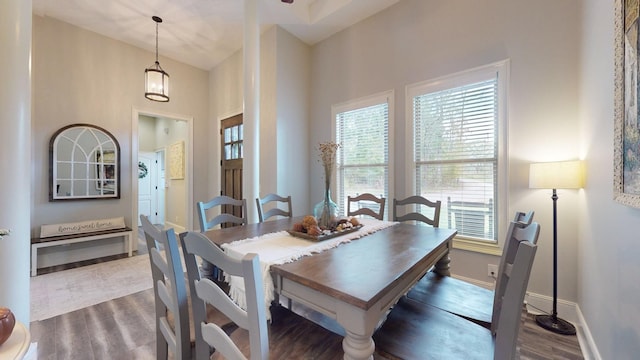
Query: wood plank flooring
x=123 y=328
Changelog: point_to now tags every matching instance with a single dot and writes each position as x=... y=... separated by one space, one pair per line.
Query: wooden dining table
x=355 y=283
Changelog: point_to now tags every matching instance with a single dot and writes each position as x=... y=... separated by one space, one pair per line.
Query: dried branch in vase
x=328 y=152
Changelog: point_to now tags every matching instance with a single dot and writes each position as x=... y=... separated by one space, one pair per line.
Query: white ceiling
x=202 y=33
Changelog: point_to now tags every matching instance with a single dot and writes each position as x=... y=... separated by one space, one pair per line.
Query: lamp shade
x=557 y=175
x=156 y=80
x=156 y=83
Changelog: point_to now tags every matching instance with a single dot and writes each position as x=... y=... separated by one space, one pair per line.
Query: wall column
x=251 y=117
x=15 y=155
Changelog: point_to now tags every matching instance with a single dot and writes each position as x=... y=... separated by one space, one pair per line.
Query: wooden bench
x=37 y=243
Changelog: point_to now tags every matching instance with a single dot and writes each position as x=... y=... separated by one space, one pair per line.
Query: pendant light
x=156 y=80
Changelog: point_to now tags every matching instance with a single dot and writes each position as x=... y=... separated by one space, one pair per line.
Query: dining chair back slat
x=508 y=274
x=225 y=216
x=204 y=291
x=420 y=206
x=286 y=336
x=171 y=301
x=273 y=199
x=366 y=204
x=506 y=326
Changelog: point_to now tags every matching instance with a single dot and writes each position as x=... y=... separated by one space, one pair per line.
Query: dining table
x=357 y=282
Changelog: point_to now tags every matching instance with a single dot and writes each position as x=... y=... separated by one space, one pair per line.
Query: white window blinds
x=456 y=154
x=363 y=158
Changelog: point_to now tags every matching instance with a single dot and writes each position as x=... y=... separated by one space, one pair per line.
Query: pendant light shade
x=156 y=80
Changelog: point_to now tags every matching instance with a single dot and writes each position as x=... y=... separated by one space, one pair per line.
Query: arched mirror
x=84 y=163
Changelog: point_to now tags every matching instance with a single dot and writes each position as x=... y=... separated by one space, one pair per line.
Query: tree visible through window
x=362 y=129
x=456 y=149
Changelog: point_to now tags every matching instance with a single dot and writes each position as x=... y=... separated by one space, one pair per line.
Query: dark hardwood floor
x=123 y=328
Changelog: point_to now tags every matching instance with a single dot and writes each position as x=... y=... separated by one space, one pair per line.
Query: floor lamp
x=556 y=175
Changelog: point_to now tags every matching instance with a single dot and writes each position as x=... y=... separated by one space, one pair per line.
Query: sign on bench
x=69 y=233
x=81 y=227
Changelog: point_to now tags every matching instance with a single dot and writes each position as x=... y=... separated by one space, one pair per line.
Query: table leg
x=442 y=266
x=357 y=347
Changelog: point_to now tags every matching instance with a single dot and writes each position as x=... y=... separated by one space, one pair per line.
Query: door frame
x=188 y=163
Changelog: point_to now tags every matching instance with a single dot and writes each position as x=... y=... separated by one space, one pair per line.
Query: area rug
x=69 y=290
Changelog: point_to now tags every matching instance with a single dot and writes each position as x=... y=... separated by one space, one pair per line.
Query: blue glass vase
x=326 y=211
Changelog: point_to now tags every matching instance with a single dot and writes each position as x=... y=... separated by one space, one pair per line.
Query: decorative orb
x=7 y=322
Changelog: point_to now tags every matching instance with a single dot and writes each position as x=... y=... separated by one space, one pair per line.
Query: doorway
x=153 y=134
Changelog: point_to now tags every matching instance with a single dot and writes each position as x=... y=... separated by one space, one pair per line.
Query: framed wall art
x=626 y=167
x=176 y=160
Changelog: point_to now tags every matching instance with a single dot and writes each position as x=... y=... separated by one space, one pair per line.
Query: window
x=363 y=129
x=458 y=148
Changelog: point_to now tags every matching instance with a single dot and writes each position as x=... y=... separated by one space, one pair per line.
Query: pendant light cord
x=156 y=41
x=158 y=20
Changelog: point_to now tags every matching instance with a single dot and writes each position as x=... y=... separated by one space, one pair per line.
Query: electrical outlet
x=492 y=270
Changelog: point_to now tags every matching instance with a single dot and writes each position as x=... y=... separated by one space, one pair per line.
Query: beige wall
x=418 y=40
x=146 y=128
x=609 y=245
x=82 y=77
x=284 y=96
x=293 y=89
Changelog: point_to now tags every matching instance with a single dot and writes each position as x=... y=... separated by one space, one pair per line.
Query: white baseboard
x=542 y=304
x=587 y=345
x=484 y=284
x=176 y=228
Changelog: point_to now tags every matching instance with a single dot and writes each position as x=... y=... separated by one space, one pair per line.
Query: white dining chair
x=414 y=330
x=287 y=336
x=175 y=334
x=172 y=305
x=366 y=204
x=232 y=212
x=418 y=208
x=265 y=213
x=462 y=298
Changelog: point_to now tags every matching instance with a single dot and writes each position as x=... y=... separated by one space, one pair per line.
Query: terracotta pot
x=7 y=322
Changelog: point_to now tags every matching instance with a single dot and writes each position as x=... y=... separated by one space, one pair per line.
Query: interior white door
x=147 y=187
x=162 y=188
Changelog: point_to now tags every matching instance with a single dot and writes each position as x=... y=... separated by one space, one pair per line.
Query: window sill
x=489 y=248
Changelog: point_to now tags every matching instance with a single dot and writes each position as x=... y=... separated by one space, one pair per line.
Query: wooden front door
x=232 y=134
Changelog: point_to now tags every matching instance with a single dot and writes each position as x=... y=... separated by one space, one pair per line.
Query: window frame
x=359 y=103
x=501 y=68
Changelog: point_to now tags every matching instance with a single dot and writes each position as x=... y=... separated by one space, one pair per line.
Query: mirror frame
x=53 y=151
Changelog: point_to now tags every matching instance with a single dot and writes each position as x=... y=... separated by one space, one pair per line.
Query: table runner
x=281 y=248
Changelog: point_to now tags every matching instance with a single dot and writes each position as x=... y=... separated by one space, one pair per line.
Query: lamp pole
x=552 y=322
